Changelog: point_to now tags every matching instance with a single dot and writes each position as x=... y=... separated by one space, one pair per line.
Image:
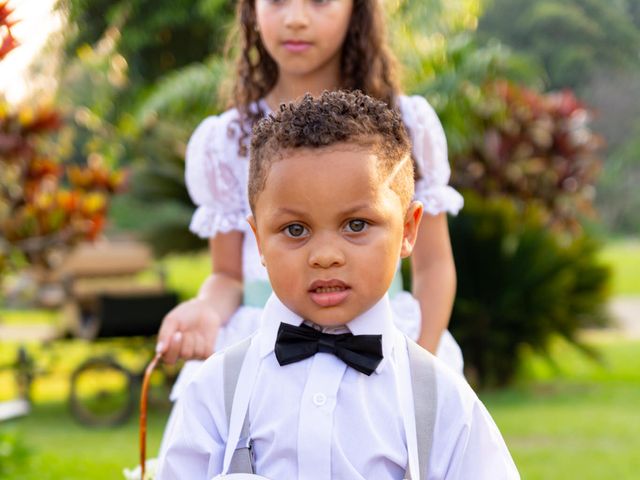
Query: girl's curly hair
x=367 y=63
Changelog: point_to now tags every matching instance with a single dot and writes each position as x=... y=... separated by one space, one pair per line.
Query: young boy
x=327 y=385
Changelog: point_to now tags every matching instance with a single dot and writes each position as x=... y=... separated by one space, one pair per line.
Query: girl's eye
x=295 y=230
x=356 y=226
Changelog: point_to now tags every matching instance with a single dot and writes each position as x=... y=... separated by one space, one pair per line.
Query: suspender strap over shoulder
x=424 y=400
x=242 y=459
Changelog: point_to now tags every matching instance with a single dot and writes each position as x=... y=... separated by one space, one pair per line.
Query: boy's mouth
x=329 y=293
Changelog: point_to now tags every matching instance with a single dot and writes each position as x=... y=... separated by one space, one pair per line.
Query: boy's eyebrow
x=289 y=211
x=356 y=208
x=298 y=213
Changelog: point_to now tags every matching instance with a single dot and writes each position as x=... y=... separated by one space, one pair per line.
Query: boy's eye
x=295 y=230
x=356 y=226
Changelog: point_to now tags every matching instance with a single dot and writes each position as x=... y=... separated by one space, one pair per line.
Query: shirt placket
x=317 y=409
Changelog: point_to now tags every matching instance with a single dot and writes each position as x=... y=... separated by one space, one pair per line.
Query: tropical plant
x=452 y=76
x=526 y=269
x=168 y=116
x=115 y=54
x=7 y=40
x=519 y=285
x=590 y=46
x=155 y=37
x=45 y=205
x=534 y=148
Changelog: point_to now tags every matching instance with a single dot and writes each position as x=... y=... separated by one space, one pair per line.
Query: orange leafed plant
x=7 y=40
x=45 y=204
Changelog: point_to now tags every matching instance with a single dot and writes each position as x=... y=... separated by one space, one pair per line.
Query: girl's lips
x=296 y=46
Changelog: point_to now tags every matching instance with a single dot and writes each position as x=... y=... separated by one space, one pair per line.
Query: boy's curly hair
x=333 y=118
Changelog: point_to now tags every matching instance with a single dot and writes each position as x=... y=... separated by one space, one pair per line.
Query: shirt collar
x=378 y=320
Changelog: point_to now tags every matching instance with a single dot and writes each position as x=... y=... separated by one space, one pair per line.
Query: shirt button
x=319 y=399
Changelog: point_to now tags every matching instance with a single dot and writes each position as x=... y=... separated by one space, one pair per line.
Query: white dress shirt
x=319 y=419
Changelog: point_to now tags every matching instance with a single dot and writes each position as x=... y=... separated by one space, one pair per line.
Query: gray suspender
x=242 y=460
x=424 y=399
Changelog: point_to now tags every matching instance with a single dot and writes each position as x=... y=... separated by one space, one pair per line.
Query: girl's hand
x=189 y=331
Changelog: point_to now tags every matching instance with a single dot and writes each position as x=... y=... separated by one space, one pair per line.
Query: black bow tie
x=362 y=352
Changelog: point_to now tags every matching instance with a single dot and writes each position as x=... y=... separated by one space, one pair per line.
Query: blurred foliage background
x=47 y=204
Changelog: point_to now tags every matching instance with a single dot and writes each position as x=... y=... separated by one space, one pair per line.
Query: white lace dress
x=216 y=176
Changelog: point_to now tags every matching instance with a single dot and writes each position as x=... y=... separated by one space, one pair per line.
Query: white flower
x=149 y=474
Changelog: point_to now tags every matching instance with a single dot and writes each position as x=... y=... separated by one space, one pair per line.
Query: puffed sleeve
x=213 y=180
x=429 y=146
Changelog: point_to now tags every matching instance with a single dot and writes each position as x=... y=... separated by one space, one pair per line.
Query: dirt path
x=19 y=333
x=625 y=312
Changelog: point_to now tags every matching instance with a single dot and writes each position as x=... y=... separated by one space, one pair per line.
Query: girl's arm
x=434 y=278
x=189 y=330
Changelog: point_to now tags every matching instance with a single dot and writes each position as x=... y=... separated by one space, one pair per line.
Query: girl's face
x=303 y=36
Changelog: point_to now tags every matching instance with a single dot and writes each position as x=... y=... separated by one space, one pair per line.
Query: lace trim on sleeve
x=430 y=153
x=439 y=198
x=207 y=222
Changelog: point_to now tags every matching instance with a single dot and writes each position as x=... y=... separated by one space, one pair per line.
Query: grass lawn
x=61 y=449
x=185 y=273
x=579 y=420
x=624 y=259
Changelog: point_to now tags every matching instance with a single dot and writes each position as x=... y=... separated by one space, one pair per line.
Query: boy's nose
x=326 y=253
x=297 y=15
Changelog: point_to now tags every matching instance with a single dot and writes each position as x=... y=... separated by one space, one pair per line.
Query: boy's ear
x=411 y=226
x=252 y=223
x=254 y=228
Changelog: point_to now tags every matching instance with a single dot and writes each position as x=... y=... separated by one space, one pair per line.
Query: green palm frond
x=185 y=96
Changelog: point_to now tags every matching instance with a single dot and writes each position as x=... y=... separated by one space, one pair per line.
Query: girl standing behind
x=289 y=48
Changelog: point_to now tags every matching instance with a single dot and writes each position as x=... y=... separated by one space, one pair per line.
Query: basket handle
x=143 y=412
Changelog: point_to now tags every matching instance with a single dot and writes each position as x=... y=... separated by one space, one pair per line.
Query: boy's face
x=331 y=232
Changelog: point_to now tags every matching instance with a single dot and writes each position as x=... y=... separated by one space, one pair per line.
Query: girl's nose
x=297 y=15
